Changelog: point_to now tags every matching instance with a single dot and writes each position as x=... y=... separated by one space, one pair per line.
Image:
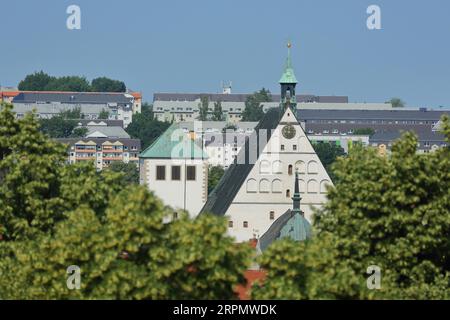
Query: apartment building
x=120 y=106
x=103 y=145
x=185 y=106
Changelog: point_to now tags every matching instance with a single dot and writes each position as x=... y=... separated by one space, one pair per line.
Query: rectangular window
x=160 y=172
x=245 y=224
x=282 y=147
x=272 y=215
x=294 y=147
x=176 y=173
x=230 y=224
x=190 y=173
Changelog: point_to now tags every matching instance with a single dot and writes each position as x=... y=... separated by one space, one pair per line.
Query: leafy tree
x=54 y=215
x=364 y=132
x=104 y=84
x=145 y=127
x=40 y=81
x=104 y=114
x=79 y=132
x=392 y=212
x=63 y=125
x=253 y=109
x=215 y=173
x=130 y=171
x=397 y=103
x=217 y=113
x=68 y=83
x=37 y=81
x=203 y=108
x=328 y=154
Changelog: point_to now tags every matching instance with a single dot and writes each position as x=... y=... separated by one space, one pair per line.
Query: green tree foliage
x=217 y=112
x=40 y=81
x=392 y=212
x=54 y=215
x=253 y=109
x=130 y=171
x=63 y=125
x=104 y=114
x=215 y=173
x=397 y=103
x=37 y=81
x=203 y=108
x=364 y=132
x=104 y=84
x=145 y=127
x=328 y=154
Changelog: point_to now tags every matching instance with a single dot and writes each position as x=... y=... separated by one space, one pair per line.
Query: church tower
x=288 y=83
x=257 y=189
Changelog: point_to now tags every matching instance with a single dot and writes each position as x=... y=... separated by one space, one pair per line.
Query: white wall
x=182 y=194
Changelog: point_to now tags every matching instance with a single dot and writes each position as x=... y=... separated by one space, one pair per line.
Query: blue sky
x=192 y=45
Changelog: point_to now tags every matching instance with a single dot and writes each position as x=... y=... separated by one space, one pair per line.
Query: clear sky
x=192 y=45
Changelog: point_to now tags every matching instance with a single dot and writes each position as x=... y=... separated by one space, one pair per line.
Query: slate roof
x=170 y=140
x=241 y=97
x=126 y=142
x=110 y=132
x=73 y=97
x=289 y=224
x=227 y=188
x=322 y=114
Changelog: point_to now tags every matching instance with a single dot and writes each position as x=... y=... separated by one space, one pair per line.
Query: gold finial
x=289 y=45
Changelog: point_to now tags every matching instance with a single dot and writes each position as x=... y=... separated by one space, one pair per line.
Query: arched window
x=252 y=186
x=290 y=169
x=276 y=186
x=264 y=186
x=323 y=186
x=264 y=166
x=302 y=186
x=288 y=193
x=313 y=167
x=313 y=186
x=277 y=166
x=300 y=166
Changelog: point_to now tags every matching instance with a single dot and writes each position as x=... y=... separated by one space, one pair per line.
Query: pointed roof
x=173 y=144
x=288 y=75
x=291 y=224
x=222 y=196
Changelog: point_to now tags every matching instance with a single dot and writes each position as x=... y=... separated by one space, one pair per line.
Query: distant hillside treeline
x=41 y=81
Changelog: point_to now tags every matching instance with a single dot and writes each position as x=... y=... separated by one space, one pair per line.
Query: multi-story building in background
x=120 y=106
x=185 y=106
x=103 y=145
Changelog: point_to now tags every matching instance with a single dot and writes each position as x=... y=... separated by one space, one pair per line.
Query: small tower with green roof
x=297 y=227
x=288 y=82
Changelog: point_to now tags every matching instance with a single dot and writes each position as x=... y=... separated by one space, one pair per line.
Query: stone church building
x=258 y=187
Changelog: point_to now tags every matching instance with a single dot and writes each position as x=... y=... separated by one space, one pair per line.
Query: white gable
x=269 y=186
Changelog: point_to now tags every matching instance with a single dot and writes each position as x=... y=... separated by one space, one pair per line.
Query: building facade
x=257 y=188
x=120 y=106
x=175 y=168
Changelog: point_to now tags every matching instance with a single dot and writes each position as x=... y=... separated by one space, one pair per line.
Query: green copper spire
x=297 y=228
x=288 y=74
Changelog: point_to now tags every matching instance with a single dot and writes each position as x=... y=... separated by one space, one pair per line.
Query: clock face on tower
x=288 y=131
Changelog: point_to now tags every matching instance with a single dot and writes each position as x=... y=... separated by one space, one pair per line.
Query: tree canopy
x=203 y=108
x=215 y=173
x=328 y=153
x=397 y=103
x=253 y=109
x=392 y=212
x=145 y=127
x=54 y=215
x=130 y=171
x=40 y=81
x=63 y=125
